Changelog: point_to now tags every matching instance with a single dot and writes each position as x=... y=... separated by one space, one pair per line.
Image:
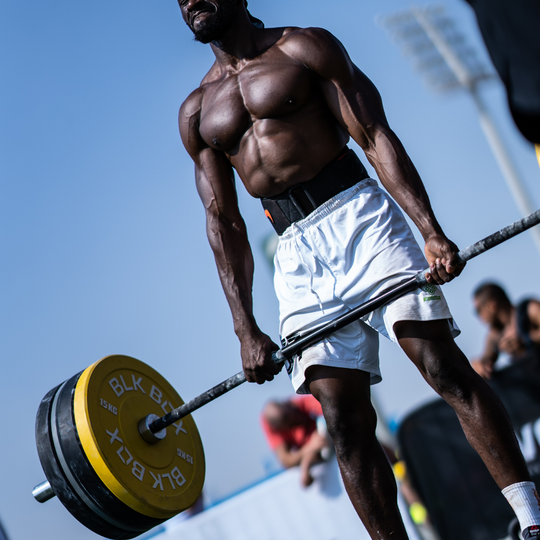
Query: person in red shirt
x=296 y=432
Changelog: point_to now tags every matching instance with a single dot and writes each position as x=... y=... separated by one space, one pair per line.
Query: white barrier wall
x=278 y=509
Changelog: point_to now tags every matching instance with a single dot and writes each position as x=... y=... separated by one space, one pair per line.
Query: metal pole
x=460 y=70
x=449 y=55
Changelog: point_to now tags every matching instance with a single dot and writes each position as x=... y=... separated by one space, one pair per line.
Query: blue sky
x=102 y=233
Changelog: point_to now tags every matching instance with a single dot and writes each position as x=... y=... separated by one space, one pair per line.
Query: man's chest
x=234 y=103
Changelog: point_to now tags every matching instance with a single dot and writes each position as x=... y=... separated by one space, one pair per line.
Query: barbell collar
x=147 y=434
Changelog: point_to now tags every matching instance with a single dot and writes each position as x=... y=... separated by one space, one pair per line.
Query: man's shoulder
x=192 y=104
x=307 y=37
x=314 y=47
x=189 y=118
x=306 y=33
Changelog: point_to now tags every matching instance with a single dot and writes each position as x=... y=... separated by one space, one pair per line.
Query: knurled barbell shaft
x=381 y=300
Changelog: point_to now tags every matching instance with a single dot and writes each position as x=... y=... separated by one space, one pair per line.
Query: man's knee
x=449 y=380
x=430 y=345
x=350 y=427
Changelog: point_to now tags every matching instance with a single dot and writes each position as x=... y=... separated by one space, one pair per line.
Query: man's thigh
x=339 y=388
x=416 y=336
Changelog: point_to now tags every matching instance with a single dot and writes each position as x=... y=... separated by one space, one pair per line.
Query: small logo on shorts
x=430 y=289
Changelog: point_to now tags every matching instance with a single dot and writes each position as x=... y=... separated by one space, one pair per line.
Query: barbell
x=103 y=435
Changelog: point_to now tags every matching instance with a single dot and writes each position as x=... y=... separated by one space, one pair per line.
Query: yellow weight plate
x=157 y=480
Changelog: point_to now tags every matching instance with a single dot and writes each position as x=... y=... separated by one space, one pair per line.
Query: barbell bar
x=148 y=427
x=97 y=434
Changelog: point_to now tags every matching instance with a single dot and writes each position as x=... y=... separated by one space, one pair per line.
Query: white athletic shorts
x=344 y=253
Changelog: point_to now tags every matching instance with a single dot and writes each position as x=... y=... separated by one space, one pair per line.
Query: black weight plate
x=76 y=499
x=69 y=446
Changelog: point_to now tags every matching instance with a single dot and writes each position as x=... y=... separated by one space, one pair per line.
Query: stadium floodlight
x=447 y=62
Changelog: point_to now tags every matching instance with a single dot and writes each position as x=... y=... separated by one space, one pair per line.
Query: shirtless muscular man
x=278 y=106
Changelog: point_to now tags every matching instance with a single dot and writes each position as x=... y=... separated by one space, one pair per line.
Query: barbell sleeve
x=43 y=492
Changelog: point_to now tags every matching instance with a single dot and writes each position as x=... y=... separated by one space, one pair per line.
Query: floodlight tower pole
x=469 y=80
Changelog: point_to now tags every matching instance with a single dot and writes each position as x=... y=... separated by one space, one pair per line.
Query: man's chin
x=202 y=37
x=204 y=34
x=209 y=27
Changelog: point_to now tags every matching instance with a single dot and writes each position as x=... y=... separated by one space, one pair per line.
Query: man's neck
x=241 y=42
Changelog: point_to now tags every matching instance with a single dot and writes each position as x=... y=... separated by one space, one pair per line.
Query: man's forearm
x=234 y=261
x=401 y=179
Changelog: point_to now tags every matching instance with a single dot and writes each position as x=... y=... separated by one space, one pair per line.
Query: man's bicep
x=188 y=123
x=214 y=175
x=214 y=179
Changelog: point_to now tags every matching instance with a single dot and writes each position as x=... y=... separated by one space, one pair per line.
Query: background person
x=514 y=330
x=295 y=430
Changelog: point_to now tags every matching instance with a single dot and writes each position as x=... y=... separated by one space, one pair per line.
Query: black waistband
x=298 y=202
